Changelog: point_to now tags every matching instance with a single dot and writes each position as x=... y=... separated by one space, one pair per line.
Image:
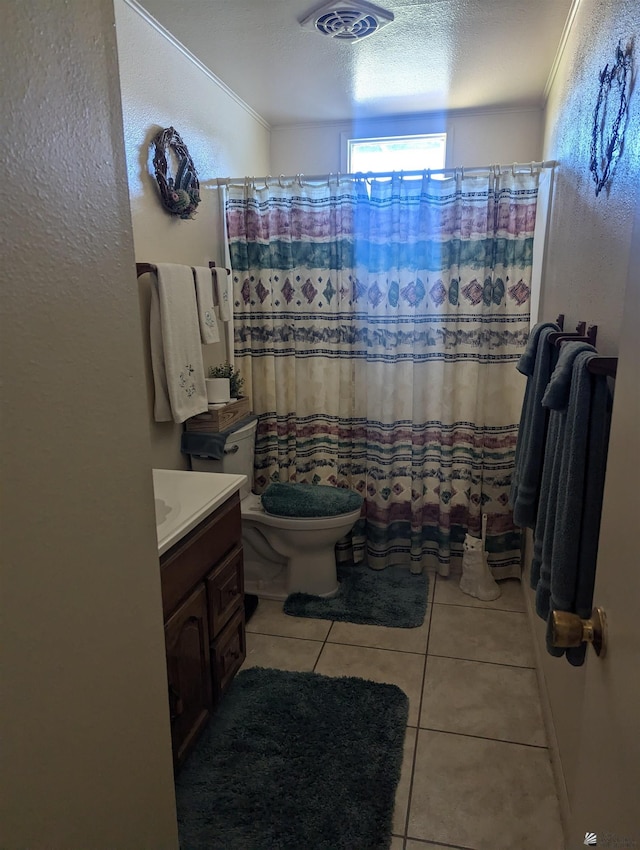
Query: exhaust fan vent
x=349 y=21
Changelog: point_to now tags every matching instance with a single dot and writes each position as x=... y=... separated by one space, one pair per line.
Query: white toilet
x=282 y=554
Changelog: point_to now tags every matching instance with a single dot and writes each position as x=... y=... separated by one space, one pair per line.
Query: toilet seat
x=315 y=501
x=252 y=508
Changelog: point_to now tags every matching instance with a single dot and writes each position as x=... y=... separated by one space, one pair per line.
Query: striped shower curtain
x=378 y=330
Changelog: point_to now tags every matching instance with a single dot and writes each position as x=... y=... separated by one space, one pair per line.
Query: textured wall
x=86 y=759
x=587 y=258
x=162 y=87
x=474 y=138
x=588 y=248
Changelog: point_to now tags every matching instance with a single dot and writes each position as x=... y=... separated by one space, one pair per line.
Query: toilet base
x=275 y=574
x=275 y=587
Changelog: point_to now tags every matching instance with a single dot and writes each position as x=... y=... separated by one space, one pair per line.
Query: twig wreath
x=179 y=195
x=607 y=135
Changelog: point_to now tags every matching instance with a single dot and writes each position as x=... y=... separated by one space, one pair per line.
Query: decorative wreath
x=179 y=195
x=609 y=118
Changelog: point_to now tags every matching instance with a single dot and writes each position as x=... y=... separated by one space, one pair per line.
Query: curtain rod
x=515 y=167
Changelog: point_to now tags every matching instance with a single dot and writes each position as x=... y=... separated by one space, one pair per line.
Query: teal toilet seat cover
x=307 y=500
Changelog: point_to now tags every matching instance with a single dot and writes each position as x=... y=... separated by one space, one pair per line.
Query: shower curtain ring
x=329 y=180
x=513 y=169
x=280 y=179
x=462 y=172
x=532 y=164
x=266 y=181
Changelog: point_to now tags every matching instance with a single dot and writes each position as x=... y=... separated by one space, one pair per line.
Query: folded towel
x=537 y=363
x=209 y=444
x=579 y=502
x=556 y=398
x=203 y=444
x=206 y=313
x=222 y=287
x=176 y=355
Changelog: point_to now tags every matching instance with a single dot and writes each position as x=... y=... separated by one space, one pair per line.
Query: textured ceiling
x=436 y=54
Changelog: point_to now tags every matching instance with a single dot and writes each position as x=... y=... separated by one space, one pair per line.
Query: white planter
x=218 y=390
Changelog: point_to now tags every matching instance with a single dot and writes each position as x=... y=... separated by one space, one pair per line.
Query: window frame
x=347 y=139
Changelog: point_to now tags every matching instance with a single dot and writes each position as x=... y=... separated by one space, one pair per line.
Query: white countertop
x=183 y=499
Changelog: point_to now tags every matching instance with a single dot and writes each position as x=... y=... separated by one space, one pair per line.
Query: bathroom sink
x=183 y=499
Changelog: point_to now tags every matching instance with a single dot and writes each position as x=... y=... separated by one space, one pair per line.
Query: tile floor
x=476 y=773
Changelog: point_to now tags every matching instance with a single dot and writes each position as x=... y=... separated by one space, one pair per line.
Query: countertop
x=183 y=499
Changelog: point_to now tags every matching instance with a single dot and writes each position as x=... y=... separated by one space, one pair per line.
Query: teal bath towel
x=566 y=540
x=537 y=363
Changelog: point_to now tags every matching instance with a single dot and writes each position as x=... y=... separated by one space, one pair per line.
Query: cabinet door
x=189 y=672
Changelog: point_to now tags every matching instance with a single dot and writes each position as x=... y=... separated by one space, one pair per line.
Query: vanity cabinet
x=203 y=606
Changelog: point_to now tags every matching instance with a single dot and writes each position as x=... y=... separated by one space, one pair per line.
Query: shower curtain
x=378 y=329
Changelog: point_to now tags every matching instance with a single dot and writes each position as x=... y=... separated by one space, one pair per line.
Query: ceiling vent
x=348 y=21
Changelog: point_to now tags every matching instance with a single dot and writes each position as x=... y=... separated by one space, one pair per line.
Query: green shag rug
x=391 y=597
x=292 y=761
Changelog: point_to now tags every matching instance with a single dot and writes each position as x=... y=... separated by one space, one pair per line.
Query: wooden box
x=220 y=418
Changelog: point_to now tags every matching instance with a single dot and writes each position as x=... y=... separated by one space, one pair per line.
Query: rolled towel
x=209 y=332
x=222 y=286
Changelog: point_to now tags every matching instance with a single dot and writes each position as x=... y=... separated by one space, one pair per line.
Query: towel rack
x=582 y=334
x=603 y=366
x=598 y=365
x=148 y=268
x=145 y=268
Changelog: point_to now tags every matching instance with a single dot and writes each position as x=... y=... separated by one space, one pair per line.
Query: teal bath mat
x=392 y=597
x=295 y=761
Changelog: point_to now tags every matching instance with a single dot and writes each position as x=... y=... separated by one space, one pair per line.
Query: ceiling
x=435 y=55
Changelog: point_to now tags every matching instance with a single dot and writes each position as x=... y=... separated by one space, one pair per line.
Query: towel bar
x=148 y=268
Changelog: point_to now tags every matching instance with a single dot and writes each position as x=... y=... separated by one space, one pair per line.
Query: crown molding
x=564 y=38
x=133 y=4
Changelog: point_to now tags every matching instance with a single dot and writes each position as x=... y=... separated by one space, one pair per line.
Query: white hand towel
x=176 y=355
x=223 y=194
x=206 y=314
x=222 y=285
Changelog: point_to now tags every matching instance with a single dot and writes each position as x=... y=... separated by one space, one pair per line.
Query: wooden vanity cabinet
x=203 y=605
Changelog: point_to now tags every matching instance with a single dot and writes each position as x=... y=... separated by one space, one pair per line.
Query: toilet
x=284 y=554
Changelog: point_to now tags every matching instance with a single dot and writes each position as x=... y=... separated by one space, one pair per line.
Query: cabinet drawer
x=225 y=586
x=188 y=562
x=228 y=652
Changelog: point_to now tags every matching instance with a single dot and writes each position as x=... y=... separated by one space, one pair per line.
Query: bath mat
x=292 y=761
x=391 y=597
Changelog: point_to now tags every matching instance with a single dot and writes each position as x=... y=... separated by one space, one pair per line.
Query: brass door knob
x=569 y=630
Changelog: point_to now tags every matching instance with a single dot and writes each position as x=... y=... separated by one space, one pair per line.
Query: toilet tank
x=239 y=451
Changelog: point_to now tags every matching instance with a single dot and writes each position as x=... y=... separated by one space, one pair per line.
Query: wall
x=164 y=85
x=474 y=138
x=588 y=248
x=87 y=758
x=588 y=253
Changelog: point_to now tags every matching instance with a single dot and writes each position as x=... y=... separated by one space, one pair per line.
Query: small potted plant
x=224 y=383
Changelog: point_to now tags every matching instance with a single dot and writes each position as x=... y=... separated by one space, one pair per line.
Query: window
x=397 y=153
